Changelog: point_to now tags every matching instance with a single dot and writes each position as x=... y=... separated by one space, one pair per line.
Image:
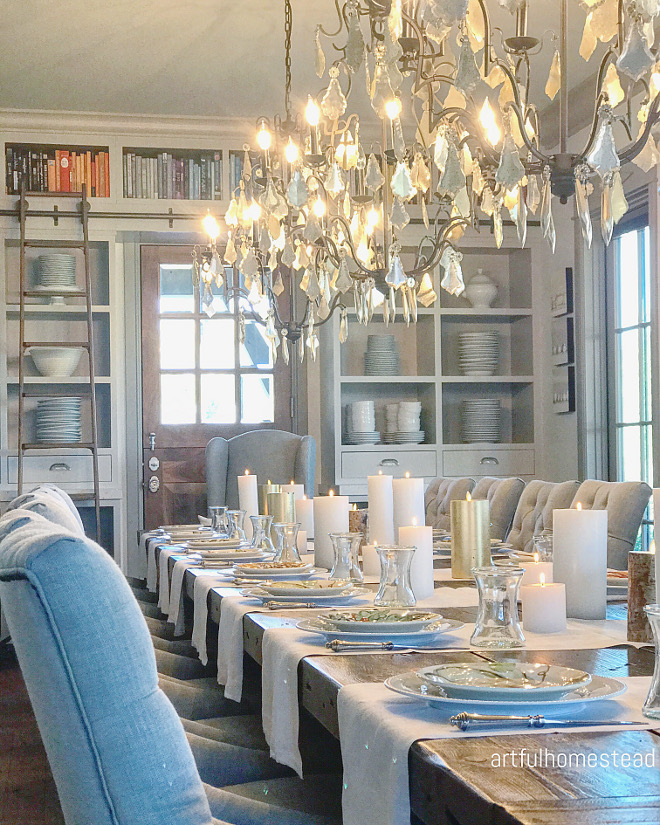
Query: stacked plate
x=58 y=420
x=56 y=272
x=382 y=356
x=479 y=352
x=481 y=420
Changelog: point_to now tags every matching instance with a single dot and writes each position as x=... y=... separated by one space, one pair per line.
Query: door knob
x=154 y=484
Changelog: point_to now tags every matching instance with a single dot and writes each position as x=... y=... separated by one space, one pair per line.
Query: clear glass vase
x=286 y=542
x=542 y=544
x=261 y=534
x=651 y=706
x=236 y=519
x=395 y=589
x=346 y=547
x=218 y=516
x=497 y=624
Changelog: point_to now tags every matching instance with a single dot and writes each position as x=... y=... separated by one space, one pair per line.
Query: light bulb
x=487 y=118
x=211 y=226
x=393 y=108
x=254 y=211
x=291 y=152
x=319 y=208
x=373 y=216
x=655 y=81
x=264 y=138
x=312 y=112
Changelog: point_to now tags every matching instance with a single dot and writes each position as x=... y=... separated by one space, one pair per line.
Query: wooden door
x=198 y=381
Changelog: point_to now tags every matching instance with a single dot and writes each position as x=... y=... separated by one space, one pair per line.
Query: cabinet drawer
x=420 y=463
x=487 y=462
x=59 y=469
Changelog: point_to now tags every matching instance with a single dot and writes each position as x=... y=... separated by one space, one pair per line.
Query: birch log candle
x=421 y=567
x=580 y=560
x=381 y=504
x=330 y=516
x=248 y=500
x=641 y=591
x=408 y=501
x=357 y=522
x=470 y=536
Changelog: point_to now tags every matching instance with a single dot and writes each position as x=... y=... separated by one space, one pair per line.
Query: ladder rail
x=21 y=333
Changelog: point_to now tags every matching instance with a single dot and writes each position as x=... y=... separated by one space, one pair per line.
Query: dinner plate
x=211 y=543
x=302 y=596
x=229 y=555
x=409 y=684
x=506 y=681
x=380 y=619
x=303 y=589
x=413 y=639
x=240 y=572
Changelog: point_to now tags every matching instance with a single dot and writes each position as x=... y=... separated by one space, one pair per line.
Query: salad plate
x=300 y=589
x=380 y=620
x=409 y=684
x=414 y=638
x=259 y=592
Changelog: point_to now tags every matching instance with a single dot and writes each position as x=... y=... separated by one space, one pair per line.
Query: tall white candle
x=298 y=490
x=370 y=560
x=302 y=541
x=656 y=542
x=330 y=516
x=580 y=560
x=408 y=501
x=248 y=500
x=305 y=515
x=421 y=568
x=381 y=504
x=543 y=607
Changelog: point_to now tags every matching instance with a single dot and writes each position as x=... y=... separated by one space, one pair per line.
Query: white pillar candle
x=408 y=501
x=535 y=569
x=305 y=515
x=330 y=516
x=302 y=541
x=248 y=500
x=421 y=568
x=370 y=560
x=580 y=560
x=298 y=490
x=381 y=504
x=543 y=607
x=656 y=541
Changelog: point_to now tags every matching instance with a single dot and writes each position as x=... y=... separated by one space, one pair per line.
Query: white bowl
x=56 y=362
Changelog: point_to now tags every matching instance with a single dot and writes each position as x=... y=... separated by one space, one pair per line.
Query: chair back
x=534 y=511
x=439 y=494
x=270 y=454
x=117 y=749
x=503 y=495
x=625 y=502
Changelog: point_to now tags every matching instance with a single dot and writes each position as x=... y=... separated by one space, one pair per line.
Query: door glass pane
x=255 y=351
x=177 y=344
x=177 y=399
x=257 y=401
x=627 y=280
x=628 y=369
x=630 y=464
x=216 y=345
x=176 y=288
x=218 y=399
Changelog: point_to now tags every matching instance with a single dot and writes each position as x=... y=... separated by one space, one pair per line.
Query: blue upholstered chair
x=270 y=454
x=117 y=749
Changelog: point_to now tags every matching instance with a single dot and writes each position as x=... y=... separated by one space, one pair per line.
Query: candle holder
x=651 y=707
x=236 y=519
x=497 y=624
x=286 y=542
x=395 y=589
x=282 y=507
x=346 y=547
x=542 y=543
x=261 y=540
x=218 y=516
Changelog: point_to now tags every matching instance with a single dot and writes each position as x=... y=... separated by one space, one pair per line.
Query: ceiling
x=194 y=58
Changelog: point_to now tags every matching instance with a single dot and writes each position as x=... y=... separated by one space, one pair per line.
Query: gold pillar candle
x=470 y=536
x=282 y=507
x=641 y=591
x=264 y=489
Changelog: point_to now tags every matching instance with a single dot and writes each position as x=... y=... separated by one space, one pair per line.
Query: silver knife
x=470 y=721
x=289 y=605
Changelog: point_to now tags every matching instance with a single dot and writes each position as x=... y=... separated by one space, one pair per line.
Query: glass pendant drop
x=533 y=194
x=343 y=282
x=399 y=217
x=440 y=150
x=333 y=102
x=582 y=204
x=521 y=217
x=636 y=58
x=402 y=185
x=285 y=347
x=297 y=193
x=373 y=178
x=334 y=181
x=381 y=88
x=426 y=295
x=603 y=157
x=319 y=53
x=553 y=84
x=467 y=74
x=230 y=252
x=343 y=326
x=419 y=174
x=452 y=280
x=606 y=217
x=250 y=264
x=619 y=202
x=396 y=277
x=354 y=49
x=547 y=221
x=398 y=140
x=510 y=171
x=453 y=178
x=498 y=231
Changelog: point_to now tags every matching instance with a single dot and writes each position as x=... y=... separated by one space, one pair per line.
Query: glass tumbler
x=347 y=565
x=236 y=519
x=261 y=534
x=395 y=589
x=497 y=624
x=286 y=542
x=542 y=543
x=651 y=706
x=218 y=516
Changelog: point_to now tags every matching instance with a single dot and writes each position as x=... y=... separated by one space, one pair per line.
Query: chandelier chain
x=288 y=27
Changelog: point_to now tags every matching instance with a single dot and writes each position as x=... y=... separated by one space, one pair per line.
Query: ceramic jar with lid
x=481 y=290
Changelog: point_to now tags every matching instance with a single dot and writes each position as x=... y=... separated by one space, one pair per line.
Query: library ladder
x=88 y=389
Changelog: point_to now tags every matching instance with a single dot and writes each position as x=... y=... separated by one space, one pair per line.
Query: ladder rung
x=56 y=445
x=55 y=244
x=83 y=344
x=40 y=293
x=76 y=390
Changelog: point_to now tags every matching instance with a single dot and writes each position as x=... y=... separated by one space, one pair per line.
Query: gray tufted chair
x=438 y=495
x=534 y=510
x=625 y=502
x=503 y=495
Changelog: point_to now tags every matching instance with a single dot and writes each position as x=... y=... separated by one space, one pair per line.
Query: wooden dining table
x=453 y=781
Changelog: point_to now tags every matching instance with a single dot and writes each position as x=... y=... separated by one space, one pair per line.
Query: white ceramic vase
x=481 y=290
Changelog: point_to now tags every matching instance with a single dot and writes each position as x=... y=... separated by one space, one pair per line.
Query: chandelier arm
x=487 y=36
x=651 y=119
x=368 y=273
x=523 y=134
x=439 y=244
x=340 y=18
x=602 y=98
x=336 y=302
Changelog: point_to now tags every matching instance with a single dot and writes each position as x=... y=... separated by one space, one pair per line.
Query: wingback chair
x=439 y=494
x=270 y=454
x=625 y=502
x=534 y=510
x=118 y=751
x=503 y=495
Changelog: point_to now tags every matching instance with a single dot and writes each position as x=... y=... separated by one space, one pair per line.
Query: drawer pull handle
x=489 y=459
x=389 y=462
x=59 y=467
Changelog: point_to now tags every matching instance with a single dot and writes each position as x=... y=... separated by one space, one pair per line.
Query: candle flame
x=542 y=579
x=375 y=544
x=291 y=482
x=269 y=481
x=578 y=506
x=468 y=497
x=305 y=497
x=536 y=558
x=414 y=522
x=355 y=505
x=407 y=474
x=331 y=493
x=247 y=473
x=380 y=472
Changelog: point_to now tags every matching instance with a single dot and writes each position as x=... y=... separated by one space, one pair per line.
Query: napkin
x=230 y=643
x=163 y=577
x=377 y=728
x=148 y=545
x=203 y=583
x=176 y=614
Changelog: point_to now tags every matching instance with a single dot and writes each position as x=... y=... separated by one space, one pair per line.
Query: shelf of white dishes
x=46 y=379
x=387 y=379
x=487 y=379
x=375 y=448
x=55 y=312
x=490 y=312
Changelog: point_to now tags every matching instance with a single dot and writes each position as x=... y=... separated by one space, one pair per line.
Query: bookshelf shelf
x=52 y=169
x=151 y=173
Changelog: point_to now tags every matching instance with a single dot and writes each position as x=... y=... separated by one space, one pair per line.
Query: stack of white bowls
x=361 y=423
x=56 y=272
x=382 y=356
x=481 y=420
x=58 y=420
x=479 y=352
x=402 y=424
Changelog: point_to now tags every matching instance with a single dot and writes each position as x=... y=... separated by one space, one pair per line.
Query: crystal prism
x=603 y=157
x=249 y=264
x=381 y=89
x=285 y=346
x=297 y=193
x=449 y=12
x=452 y=281
x=413 y=303
x=274 y=227
x=230 y=252
x=582 y=206
x=619 y=202
x=453 y=178
x=425 y=214
x=343 y=326
x=649 y=156
x=333 y=102
x=301 y=349
x=373 y=178
x=231 y=215
x=264 y=239
x=392 y=303
x=334 y=181
x=553 y=83
x=288 y=253
x=398 y=140
x=393 y=54
x=487 y=201
x=399 y=217
x=278 y=284
x=606 y=217
x=320 y=54
x=419 y=173
x=467 y=74
x=547 y=221
x=312 y=230
x=343 y=281
x=241 y=327
x=604 y=20
x=533 y=194
x=405 y=306
x=612 y=85
x=440 y=150
x=510 y=171
x=636 y=58
x=426 y=295
x=521 y=217
x=401 y=183
x=396 y=277
x=354 y=49
x=498 y=230
x=269 y=199
x=589 y=40
x=462 y=203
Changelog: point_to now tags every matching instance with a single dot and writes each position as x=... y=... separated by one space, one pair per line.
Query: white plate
x=409 y=684
x=316 y=588
x=302 y=596
x=227 y=555
x=243 y=572
x=380 y=620
x=412 y=639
